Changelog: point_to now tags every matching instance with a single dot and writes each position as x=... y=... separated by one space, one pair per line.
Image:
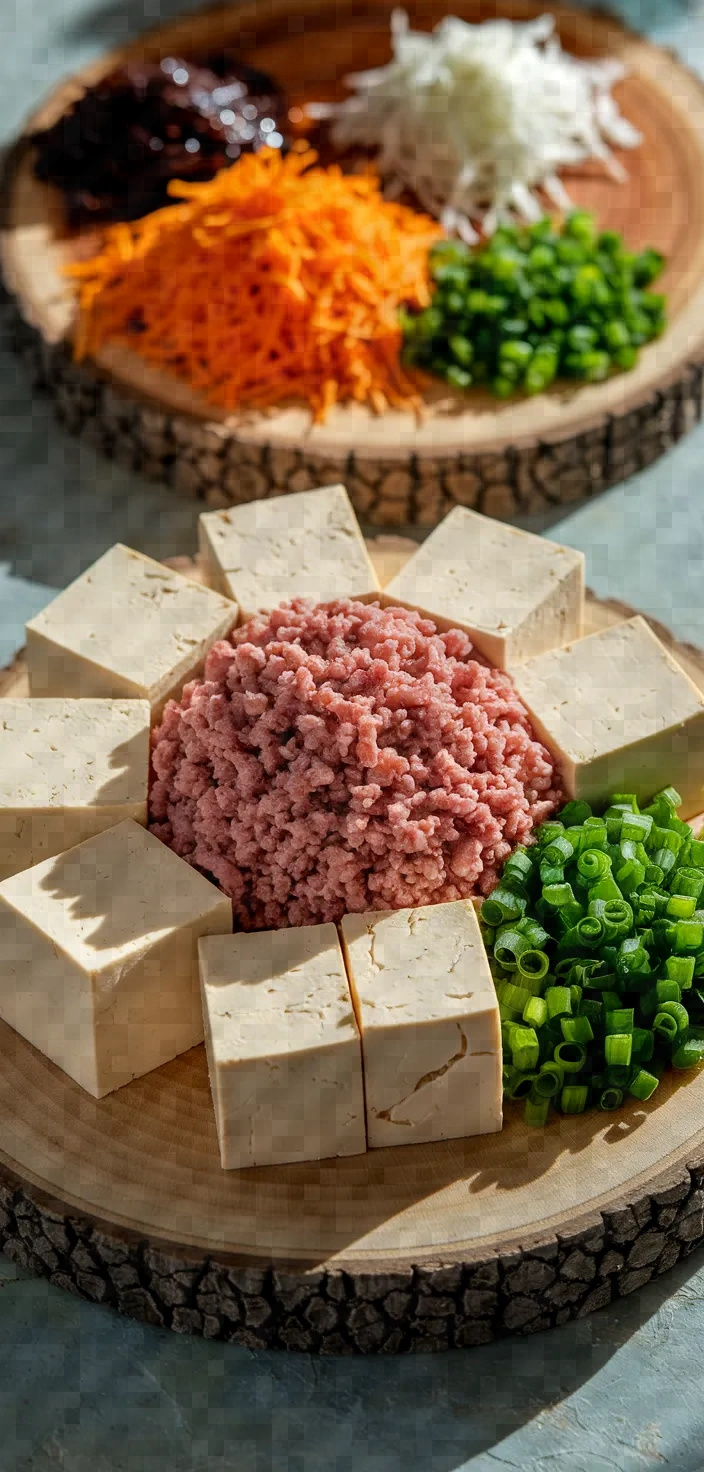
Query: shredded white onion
x=474 y=118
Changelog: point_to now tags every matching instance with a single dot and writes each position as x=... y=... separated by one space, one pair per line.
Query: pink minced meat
x=342 y=757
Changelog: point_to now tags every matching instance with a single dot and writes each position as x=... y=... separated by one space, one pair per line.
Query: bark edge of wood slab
x=504 y=460
x=122 y=1200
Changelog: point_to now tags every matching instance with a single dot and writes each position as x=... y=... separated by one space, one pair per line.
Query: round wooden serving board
x=123 y=1200
x=500 y=458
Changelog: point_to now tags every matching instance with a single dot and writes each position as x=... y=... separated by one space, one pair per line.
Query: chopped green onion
x=630 y=877
x=594 y=1011
x=591 y=981
x=518 y=1085
x=514 y=996
x=559 y=1002
x=632 y=958
x=665 y=859
x=666 y=1025
x=643 y=1085
x=688 y=936
x=573 y=1099
x=616 y=916
x=667 y=989
x=534 y=984
x=570 y=1056
x=575 y=812
x=558 y=895
x=566 y=916
x=643 y=1044
x=535 y=1012
x=618 y=1075
x=605 y=888
x=549 y=1080
x=503 y=904
x=593 y=864
x=525 y=1048
x=689 y=1053
x=619 y=1019
x=559 y=851
x=549 y=830
x=653 y=875
x=636 y=825
x=671 y=797
x=577 y=1029
x=491 y=914
x=670 y=839
x=537 y=1110
x=687 y=882
x=626 y=802
x=681 y=907
x=618 y=1048
x=534 y=932
x=695 y=853
x=590 y=931
x=508 y=946
x=676 y=1010
x=533 y=964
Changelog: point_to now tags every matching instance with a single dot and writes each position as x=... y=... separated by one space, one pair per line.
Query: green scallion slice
x=591 y=980
x=643 y=1085
x=573 y=1099
x=537 y=1109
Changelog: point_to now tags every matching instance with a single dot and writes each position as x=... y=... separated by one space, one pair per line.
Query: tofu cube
x=283 y=1047
x=619 y=714
x=306 y=545
x=128 y=627
x=98 y=956
x=68 y=769
x=514 y=594
x=427 y=1011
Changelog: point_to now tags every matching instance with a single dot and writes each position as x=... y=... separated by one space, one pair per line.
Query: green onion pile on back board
x=596 y=943
x=534 y=304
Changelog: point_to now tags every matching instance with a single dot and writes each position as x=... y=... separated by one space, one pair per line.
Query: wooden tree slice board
x=502 y=459
x=123 y=1200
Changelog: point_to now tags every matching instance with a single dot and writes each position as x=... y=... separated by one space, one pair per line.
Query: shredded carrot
x=276 y=279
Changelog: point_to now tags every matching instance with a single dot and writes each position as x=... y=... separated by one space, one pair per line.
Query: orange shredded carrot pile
x=276 y=279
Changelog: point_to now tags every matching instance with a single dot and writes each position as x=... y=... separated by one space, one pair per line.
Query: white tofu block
x=68 y=769
x=283 y=1047
x=98 y=956
x=514 y=594
x=620 y=715
x=427 y=1011
x=127 y=627
x=306 y=545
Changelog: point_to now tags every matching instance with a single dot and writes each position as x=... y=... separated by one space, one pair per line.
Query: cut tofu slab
x=619 y=715
x=68 y=769
x=283 y=1047
x=306 y=545
x=514 y=594
x=98 y=956
x=128 y=627
x=427 y=1011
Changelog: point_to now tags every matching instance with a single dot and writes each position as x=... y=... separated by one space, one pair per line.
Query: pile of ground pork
x=343 y=757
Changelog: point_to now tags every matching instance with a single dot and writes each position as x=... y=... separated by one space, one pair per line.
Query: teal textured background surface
x=85 y=1391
